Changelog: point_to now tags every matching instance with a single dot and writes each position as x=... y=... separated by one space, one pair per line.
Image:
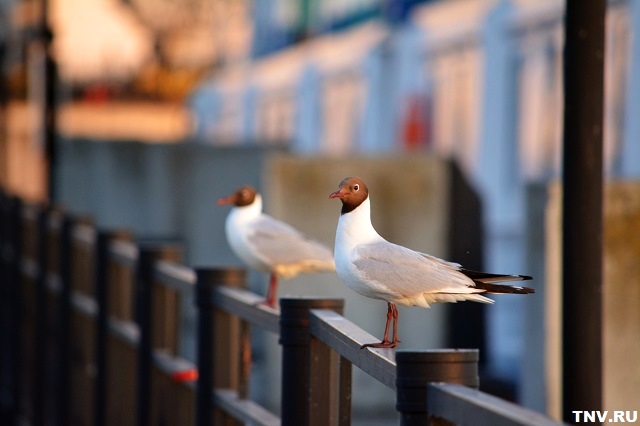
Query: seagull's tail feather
x=488 y=282
x=500 y=288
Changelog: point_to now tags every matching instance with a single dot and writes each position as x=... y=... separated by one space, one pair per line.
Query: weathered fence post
x=11 y=293
x=416 y=369
x=295 y=340
x=330 y=378
x=40 y=318
x=5 y=309
x=207 y=280
x=144 y=282
x=15 y=240
x=64 y=369
x=50 y=286
x=103 y=240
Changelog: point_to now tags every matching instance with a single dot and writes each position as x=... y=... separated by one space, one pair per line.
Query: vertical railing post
x=15 y=240
x=5 y=305
x=144 y=282
x=40 y=319
x=295 y=340
x=329 y=385
x=11 y=309
x=415 y=370
x=5 y=295
x=102 y=299
x=65 y=353
x=207 y=280
x=582 y=211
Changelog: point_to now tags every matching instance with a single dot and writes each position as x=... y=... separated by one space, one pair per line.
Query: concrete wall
x=533 y=387
x=621 y=298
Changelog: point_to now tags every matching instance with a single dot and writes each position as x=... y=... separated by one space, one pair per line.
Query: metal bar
x=346 y=338
x=324 y=382
x=174 y=276
x=40 y=346
x=206 y=282
x=416 y=369
x=164 y=317
x=226 y=357
x=460 y=404
x=174 y=393
x=102 y=299
x=249 y=307
x=123 y=252
x=204 y=393
x=15 y=240
x=6 y=299
x=125 y=330
x=53 y=290
x=244 y=361
x=64 y=371
x=84 y=304
x=295 y=340
x=324 y=370
x=144 y=283
x=582 y=206
x=244 y=410
x=345 y=396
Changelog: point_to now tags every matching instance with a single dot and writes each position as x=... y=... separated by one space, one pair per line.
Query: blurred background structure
x=474 y=82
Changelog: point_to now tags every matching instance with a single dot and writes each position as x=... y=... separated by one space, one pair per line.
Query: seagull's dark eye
x=356 y=187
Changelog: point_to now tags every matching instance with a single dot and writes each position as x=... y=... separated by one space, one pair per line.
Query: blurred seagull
x=269 y=245
x=376 y=268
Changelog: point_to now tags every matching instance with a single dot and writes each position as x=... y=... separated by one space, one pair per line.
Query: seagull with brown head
x=269 y=245
x=376 y=268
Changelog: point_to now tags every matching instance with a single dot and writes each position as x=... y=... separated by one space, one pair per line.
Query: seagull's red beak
x=336 y=194
x=226 y=200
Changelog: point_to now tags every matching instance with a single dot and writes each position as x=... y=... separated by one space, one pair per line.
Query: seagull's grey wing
x=282 y=244
x=407 y=272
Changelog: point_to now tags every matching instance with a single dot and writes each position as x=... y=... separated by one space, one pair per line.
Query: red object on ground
x=185 y=375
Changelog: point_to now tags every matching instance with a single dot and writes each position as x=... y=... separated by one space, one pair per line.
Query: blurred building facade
x=476 y=81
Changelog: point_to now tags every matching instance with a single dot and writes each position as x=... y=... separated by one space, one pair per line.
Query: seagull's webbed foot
x=266 y=302
x=384 y=344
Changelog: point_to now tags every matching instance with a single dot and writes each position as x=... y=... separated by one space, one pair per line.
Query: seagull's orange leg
x=392 y=315
x=394 y=312
x=273 y=289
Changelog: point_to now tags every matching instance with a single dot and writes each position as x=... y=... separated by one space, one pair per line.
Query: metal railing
x=91 y=336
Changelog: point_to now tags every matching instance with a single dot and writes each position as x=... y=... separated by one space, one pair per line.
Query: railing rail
x=248 y=307
x=174 y=276
x=106 y=327
x=346 y=339
x=462 y=405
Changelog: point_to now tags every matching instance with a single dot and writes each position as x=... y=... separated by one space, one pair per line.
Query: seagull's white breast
x=355 y=228
x=237 y=228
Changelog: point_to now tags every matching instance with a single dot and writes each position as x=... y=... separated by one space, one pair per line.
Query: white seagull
x=269 y=245
x=376 y=268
